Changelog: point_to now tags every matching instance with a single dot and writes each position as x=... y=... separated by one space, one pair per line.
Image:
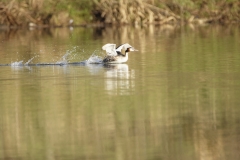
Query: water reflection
x=19 y=68
x=178 y=98
x=119 y=79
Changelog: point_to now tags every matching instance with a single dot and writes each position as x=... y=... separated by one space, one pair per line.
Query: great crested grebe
x=114 y=55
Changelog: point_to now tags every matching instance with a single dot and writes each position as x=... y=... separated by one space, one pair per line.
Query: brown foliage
x=30 y=13
x=132 y=12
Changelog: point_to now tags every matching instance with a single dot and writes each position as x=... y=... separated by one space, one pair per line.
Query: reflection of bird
x=114 y=55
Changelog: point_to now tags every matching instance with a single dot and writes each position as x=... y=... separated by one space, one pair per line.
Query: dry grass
x=167 y=11
x=137 y=12
x=133 y=12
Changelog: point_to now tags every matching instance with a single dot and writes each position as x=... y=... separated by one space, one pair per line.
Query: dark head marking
x=127 y=50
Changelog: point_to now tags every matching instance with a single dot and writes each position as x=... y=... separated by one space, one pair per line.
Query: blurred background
x=44 y=13
x=176 y=98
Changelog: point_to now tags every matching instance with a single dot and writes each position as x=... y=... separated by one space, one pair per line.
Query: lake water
x=177 y=98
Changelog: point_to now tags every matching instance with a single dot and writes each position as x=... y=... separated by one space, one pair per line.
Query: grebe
x=114 y=55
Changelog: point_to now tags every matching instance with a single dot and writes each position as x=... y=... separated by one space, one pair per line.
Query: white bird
x=114 y=55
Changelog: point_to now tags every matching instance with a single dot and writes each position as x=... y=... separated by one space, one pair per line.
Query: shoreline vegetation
x=61 y=13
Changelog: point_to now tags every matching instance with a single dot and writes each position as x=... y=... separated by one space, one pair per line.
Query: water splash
x=65 y=59
x=18 y=63
x=94 y=59
x=29 y=61
x=69 y=55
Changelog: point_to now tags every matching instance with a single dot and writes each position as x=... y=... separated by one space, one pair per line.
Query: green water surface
x=177 y=98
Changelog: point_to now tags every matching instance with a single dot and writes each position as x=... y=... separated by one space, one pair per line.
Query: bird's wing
x=110 y=49
x=119 y=48
x=123 y=46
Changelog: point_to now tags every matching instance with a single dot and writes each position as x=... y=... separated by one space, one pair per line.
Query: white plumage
x=114 y=54
x=110 y=49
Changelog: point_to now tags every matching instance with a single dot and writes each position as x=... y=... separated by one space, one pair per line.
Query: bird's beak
x=133 y=49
